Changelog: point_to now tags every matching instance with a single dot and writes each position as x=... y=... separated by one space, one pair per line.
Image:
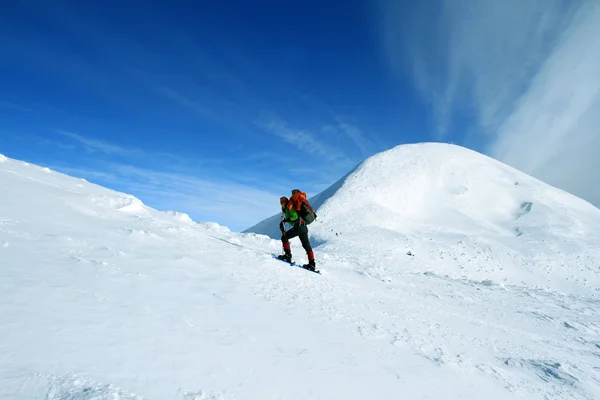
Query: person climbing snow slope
x=298 y=213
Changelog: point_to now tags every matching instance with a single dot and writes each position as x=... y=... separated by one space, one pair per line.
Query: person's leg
x=303 y=235
x=285 y=241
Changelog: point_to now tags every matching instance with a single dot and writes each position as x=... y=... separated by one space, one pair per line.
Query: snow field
x=103 y=297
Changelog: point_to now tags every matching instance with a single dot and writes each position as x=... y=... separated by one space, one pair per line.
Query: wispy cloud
x=109 y=148
x=186 y=102
x=243 y=95
x=56 y=144
x=84 y=173
x=303 y=140
x=342 y=126
x=554 y=133
x=210 y=194
x=526 y=73
x=229 y=198
x=213 y=90
x=244 y=98
x=351 y=134
x=315 y=158
x=206 y=199
x=94 y=145
x=470 y=57
x=17 y=107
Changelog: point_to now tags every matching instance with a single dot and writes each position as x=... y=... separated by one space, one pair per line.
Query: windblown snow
x=463 y=215
x=445 y=275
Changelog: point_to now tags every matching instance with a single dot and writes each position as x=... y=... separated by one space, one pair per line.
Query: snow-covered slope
x=102 y=298
x=460 y=214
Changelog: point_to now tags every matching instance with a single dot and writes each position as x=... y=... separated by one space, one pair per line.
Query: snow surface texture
x=463 y=215
x=102 y=297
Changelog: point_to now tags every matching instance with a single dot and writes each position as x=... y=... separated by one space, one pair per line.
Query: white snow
x=102 y=297
x=462 y=214
x=183 y=217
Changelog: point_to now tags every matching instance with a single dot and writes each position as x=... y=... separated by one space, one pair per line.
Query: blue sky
x=202 y=107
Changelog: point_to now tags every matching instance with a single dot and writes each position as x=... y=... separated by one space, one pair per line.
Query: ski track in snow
x=149 y=305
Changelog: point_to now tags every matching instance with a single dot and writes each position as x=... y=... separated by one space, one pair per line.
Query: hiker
x=298 y=213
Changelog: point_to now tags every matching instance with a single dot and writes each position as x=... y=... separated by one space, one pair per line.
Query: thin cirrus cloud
x=110 y=149
x=217 y=89
x=96 y=145
x=302 y=140
x=320 y=156
x=206 y=197
x=232 y=92
x=16 y=107
x=335 y=141
x=524 y=74
x=553 y=133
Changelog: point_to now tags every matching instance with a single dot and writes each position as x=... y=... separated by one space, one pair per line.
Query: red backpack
x=302 y=206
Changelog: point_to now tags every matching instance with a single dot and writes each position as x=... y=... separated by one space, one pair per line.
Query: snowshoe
x=307 y=267
x=287 y=257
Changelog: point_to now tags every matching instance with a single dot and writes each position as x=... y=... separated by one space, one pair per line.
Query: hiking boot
x=286 y=257
x=311 y=265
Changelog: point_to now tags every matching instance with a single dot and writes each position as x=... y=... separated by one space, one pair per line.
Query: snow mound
x=122 y=202
x=450 y=186
x=2 y=158
x=182 y=217
x=446 y=187
x=458 y=213
x=215 y=228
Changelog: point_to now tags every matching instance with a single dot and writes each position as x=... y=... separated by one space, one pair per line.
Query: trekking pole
x=281 y=226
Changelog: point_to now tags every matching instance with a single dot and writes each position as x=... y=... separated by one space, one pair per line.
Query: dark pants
x=300 y=231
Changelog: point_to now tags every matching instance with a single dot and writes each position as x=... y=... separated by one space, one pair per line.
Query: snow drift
x=102 y=297
x=484 y=219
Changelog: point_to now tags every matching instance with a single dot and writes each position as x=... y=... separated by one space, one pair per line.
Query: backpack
x=302 y=206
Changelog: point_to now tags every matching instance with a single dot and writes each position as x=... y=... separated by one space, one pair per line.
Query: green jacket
x=291 y=216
